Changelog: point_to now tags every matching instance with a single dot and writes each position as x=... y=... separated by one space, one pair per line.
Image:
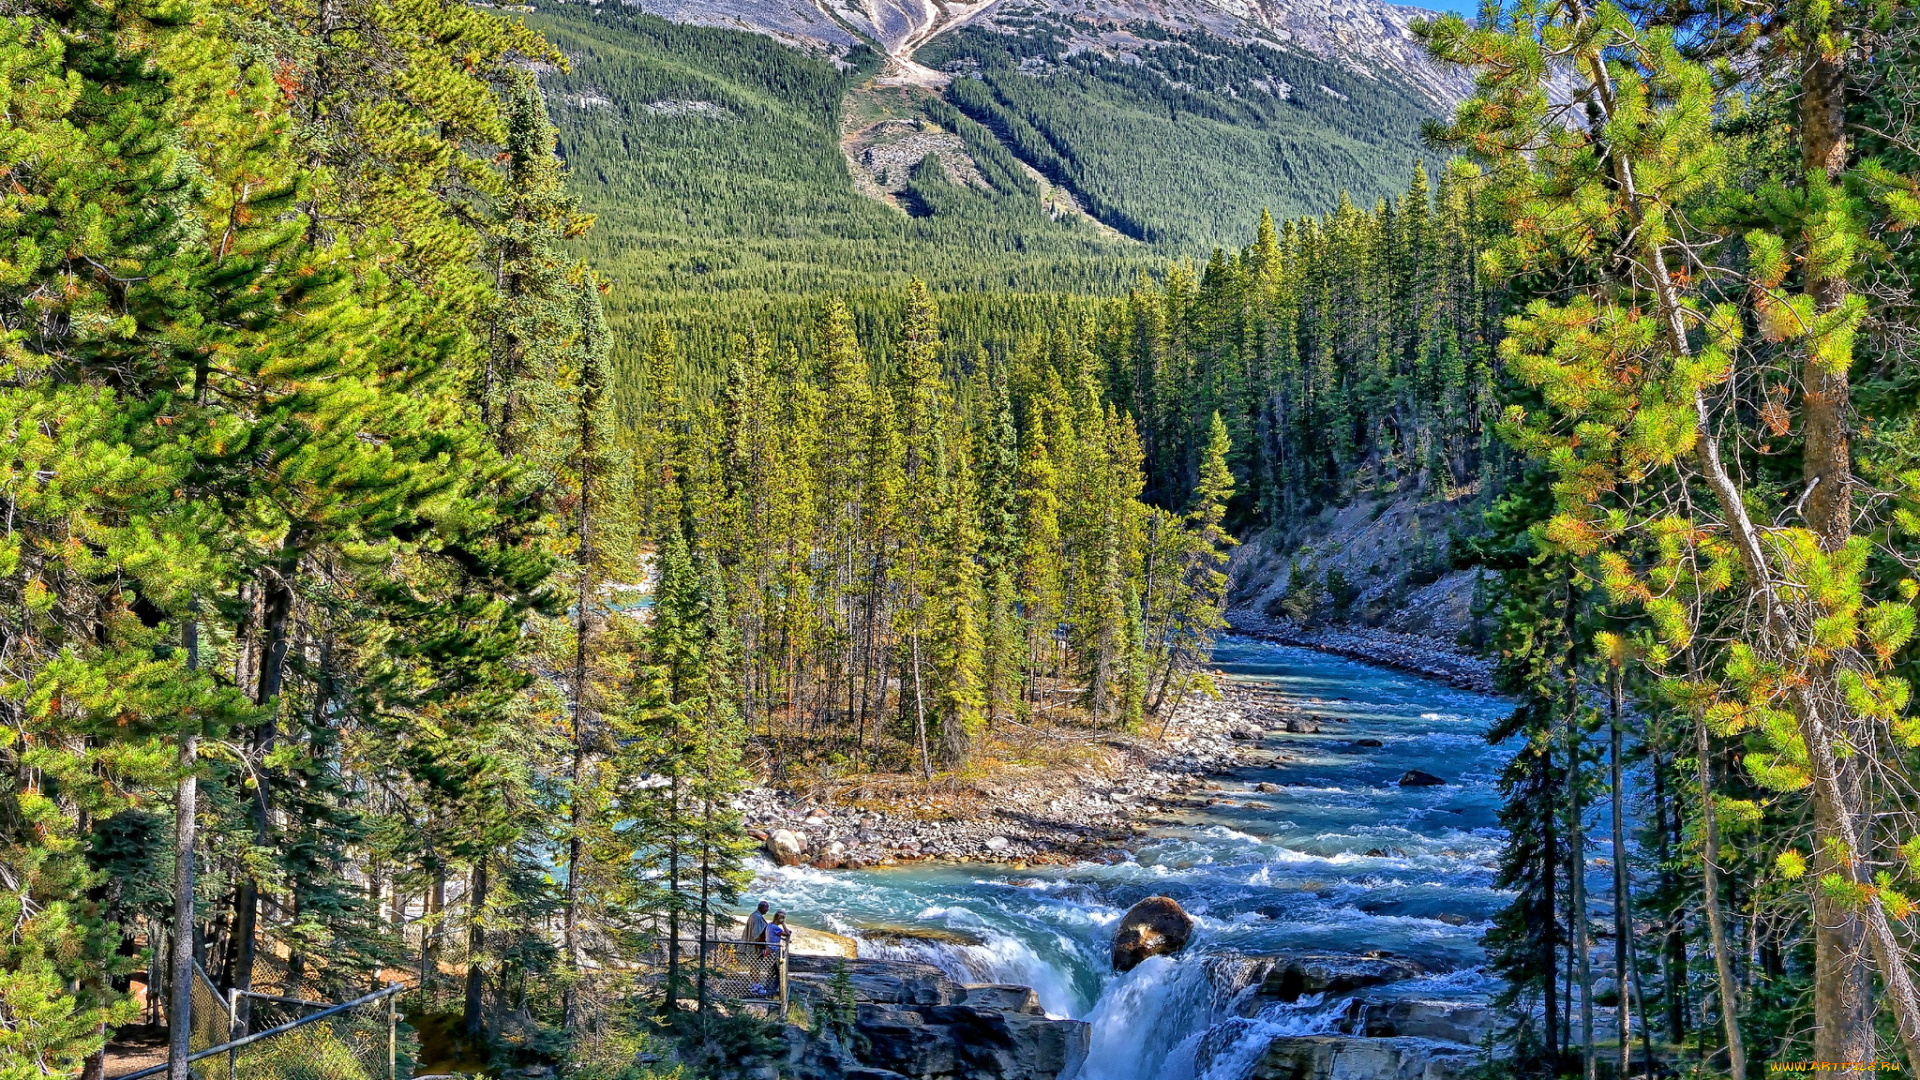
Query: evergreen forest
x=459 y=455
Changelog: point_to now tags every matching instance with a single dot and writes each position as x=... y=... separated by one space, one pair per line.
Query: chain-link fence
x=293 y=1039
x=210 y=1023
x=746 y=971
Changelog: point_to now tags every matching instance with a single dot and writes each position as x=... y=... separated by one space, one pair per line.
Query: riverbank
x=1118 y=783
x=1414 y=653
x=1340 y=870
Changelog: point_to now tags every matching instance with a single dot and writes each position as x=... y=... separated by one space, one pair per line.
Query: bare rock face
x=1289 y=978
x=1464 y=1022
x=786 y=847
x=1156 y=926
x=1337 y=1057
x=914 y=1022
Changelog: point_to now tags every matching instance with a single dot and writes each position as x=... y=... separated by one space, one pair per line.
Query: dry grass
x=826 y=766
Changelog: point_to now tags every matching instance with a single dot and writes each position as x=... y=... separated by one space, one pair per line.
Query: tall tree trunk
x=577 y=771
x=1548 y=924
x=1710 y=888
x=471 y=1020
x=1842 y=1015
x=186 y=804
x=1622 y=894
x=920 y=712
x=1674 y=969
x=1577 y=885
x=277 y=611
x=673 y=896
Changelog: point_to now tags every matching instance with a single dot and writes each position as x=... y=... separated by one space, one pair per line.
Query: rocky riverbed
x=1329 y=826
x=1061 y=816
x=1422 y=655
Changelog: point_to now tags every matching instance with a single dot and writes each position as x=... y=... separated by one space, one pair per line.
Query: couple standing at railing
x=770 y=933
x=773 y=931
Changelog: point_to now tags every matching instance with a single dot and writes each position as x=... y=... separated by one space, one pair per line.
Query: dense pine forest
x=446 y=479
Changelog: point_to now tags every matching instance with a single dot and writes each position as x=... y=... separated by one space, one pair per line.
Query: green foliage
x=1343 y=354
x=1175 y=148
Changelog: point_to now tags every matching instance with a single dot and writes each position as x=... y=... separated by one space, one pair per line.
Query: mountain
x=780 y=148
x=1363 y=35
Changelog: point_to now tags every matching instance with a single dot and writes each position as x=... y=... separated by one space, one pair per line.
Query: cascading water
x=1341 y=860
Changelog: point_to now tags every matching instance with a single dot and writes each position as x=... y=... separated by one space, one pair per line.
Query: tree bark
x=1548 y=925
x=1710 y=890
x=1577 y=913
x=186 y=805
x=1622 y=916
x=471 y=1019
x=1841 y=1010
x=277 y=611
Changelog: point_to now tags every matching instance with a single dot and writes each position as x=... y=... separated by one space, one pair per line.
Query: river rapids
x=1340 y=860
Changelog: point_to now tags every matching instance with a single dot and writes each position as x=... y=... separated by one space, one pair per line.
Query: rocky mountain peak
x=1366 y=36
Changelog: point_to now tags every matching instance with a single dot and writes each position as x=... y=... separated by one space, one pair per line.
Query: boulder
x=1369 y=743
x=1289 y=978
x=1006 y=997
x=1416 y=778
x=1345 y=1057
x=833 y=858
x=969 y=1041
x=1267 y=788
x=786 y=847
x=1156 y=926
x=1303 y=725
x=1461 y=1022
x=913 y=1021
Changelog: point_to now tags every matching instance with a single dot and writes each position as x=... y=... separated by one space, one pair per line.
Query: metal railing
x=353 y=1040
x=749 y=972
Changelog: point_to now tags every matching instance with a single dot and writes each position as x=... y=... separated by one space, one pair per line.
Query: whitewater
x=1340 y=860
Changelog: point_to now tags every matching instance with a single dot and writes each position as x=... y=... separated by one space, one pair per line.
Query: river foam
x=1335 y=859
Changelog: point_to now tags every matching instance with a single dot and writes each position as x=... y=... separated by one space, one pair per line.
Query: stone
x=1289 y=978
x=1463 y=1022
x=1156 y=926
x=1451 y=919
x=1005 y=997
x=1369 y=743
x=1416 y=778
x=913 y=1021
x=998 y=843
x=1303 y=725
x=1267 y=788
x=1245 y=733
x=786 y=847
x=833 y=858
x=1343 y=1057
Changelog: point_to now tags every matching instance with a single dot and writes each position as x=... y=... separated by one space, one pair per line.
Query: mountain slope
x=1172 y=122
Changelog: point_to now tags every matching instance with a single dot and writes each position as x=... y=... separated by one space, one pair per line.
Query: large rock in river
x=1290 y=977
x=1156 y=926
x=1339 y=1057
x=788 y=848
x=911 y=1021
x=1416 y=778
